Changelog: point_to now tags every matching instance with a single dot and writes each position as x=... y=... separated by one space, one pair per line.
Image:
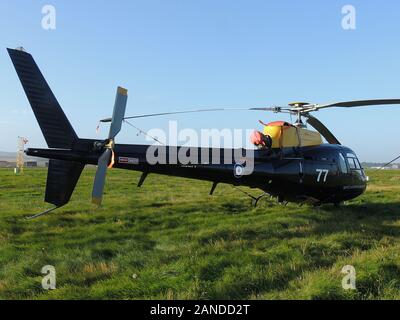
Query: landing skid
x=42 y=213
x=258 y=199
x=255 y=200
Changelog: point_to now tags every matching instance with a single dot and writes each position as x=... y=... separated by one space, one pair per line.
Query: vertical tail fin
x=53 y=122
x=62 y=175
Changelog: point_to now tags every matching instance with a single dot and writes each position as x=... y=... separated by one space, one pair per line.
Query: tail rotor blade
x=106 y=160
x=119 y=112
x=99 y=180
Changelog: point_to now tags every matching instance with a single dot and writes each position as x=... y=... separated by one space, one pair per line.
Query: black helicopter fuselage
x=326 y=173
x=320 y=174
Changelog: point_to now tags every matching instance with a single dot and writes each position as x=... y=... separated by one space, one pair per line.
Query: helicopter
x=290 y=162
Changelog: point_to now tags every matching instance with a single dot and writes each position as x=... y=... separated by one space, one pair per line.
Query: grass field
x=170 y=240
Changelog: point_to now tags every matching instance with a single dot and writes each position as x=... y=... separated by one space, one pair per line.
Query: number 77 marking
x=320 y=172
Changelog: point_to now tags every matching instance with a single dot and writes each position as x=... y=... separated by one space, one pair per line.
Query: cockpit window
x=353 y=162
x=342 y=164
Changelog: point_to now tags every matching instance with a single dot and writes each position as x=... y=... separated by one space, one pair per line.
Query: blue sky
x=176 y=55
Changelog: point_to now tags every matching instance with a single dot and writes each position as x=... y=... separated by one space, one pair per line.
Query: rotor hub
x=298 y=104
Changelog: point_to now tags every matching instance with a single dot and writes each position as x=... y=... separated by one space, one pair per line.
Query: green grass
x=170 y=240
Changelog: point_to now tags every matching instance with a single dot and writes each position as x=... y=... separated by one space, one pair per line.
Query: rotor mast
x=296 y=108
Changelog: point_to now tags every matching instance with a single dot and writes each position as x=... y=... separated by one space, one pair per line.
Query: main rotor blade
x=273 y=109
x=304 y=109
x=100 y=178
x=359 y=103
x=119 y=112
x=320 y=127
x=389 y=163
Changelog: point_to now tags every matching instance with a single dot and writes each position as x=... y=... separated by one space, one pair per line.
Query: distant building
x=31 y=164
x=4 y=164
x=7 y=164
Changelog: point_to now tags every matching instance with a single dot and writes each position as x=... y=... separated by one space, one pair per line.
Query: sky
x=175 y=55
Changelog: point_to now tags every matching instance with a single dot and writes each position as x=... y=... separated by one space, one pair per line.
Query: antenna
x=20 y=155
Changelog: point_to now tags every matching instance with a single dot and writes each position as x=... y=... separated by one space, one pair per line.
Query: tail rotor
x=106 y=160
